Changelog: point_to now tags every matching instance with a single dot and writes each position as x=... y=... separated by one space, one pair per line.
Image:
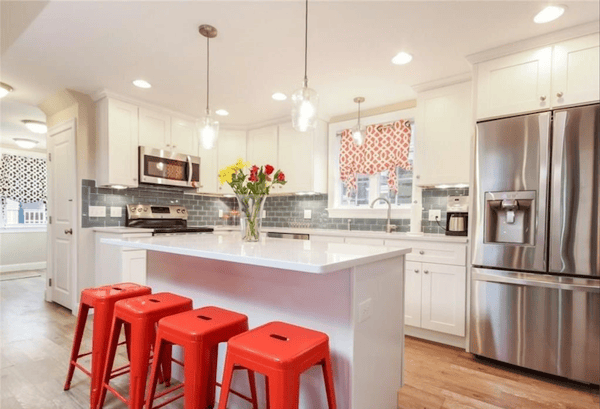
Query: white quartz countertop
x=121 y=230
x=298 y=255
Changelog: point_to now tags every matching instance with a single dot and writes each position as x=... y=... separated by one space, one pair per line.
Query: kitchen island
x=353 y=293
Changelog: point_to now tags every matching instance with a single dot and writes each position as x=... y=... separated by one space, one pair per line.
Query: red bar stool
x=102 y=300
x=199 y=332
x=141 y=314
x=281 y=352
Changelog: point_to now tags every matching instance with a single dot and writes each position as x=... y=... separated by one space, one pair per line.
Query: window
x=370 y=187
x=24 y=214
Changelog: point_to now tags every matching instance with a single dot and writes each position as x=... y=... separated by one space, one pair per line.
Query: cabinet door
x=208 y=170
x=120 y=165
x=155 y=129
x=183 y=137
x=444 y=131
x=231 y=146
x=412 y=294
x=295 y=159
x=443 y=302
x=576 y=71
x=134 y=266
x=514 y=84
x=262 y=146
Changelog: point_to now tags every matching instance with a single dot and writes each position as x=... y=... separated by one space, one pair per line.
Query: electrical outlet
x=364 y=310
x=264 y=214
x=97 y=211
x=435 y=213
x=116 y=211
x=307 y=213
x=220 y=212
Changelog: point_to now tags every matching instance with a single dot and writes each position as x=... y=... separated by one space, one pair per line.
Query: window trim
x=334 y=208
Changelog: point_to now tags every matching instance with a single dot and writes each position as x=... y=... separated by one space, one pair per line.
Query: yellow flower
x=240 y=164
x=226 y=174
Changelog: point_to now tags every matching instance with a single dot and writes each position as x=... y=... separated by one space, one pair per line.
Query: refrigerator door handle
x=559 y=186
x=537 y=280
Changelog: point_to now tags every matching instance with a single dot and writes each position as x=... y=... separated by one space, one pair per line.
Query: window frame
x=334 y=208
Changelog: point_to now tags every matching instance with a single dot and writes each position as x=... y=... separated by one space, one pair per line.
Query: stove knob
x=178 y=210
x=145 y=209
x=132 y=208
x=182 y=210
x=139 y=209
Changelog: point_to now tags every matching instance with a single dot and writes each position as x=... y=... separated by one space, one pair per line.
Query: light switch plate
x=307 y=213
x=116 y=211
x=220 y=212
x=433 y=213
x=97 y=211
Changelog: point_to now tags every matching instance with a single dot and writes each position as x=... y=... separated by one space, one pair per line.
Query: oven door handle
x=189 y=161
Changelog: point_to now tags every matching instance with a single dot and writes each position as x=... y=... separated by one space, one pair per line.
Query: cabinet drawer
x=427 y=252
x=366 y=241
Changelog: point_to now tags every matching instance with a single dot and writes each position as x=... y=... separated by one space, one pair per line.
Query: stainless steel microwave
x=167 y=168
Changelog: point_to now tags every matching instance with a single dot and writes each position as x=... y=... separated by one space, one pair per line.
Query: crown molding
x=535 y=42
x=442 y=82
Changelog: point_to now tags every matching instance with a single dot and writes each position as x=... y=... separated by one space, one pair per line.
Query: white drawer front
x=426 y=252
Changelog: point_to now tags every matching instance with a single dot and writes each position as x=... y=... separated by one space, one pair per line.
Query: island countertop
x=286 y=254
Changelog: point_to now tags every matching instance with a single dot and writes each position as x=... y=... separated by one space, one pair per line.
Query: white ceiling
x=87 y=46
x=11 y=115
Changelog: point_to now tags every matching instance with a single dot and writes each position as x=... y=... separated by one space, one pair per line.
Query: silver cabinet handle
x=559 y=94
x=421 y=252
x=416 y=271
x=426 y=271
x=543 y=98
x=68 y=231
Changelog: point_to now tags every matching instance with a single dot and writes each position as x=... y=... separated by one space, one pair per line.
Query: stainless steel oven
x=167 y=168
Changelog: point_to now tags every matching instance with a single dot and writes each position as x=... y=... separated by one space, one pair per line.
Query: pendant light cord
x=207 y=70
x=359 y=116
x=306 y=46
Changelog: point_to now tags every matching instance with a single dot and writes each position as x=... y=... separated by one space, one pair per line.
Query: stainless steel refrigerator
x=535 y=294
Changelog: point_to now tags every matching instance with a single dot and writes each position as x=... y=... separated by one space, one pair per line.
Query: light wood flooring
x=36 y=338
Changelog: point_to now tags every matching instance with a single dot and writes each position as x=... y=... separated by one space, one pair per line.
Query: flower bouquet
x=251 y=189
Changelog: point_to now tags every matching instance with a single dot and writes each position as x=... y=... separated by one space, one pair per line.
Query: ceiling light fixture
x=358 y=134
x=35 y=126
x=305 y=101
x=279 y=96
x=549 y=14
x=209 y=128
x=25 y=143
x=142 y=84
x=5 y=89
x=221 y=112
x=402 y=58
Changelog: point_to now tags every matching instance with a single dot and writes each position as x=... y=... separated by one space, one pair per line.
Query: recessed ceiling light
x=548 y=14
x=279 y=96
x=25 y=143
x=402 y=58
x=5 y=89
x=221 y=112
x=142 y=84
x=35 y=126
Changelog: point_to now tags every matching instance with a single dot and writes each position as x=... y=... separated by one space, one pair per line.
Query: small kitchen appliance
x=457 y=216
x=161 y=219
x=160 y=167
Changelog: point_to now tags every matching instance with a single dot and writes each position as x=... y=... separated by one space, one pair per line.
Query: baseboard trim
x=21 y=267
x=447 y=339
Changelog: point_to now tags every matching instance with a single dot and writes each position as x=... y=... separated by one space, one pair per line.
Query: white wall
x=22 y=250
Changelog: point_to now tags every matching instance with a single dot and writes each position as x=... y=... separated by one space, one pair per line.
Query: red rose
x=269 y=169
x=254 y=169
x=252 y=177
x=281 y=177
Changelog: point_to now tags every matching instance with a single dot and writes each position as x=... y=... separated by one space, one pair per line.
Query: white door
x=62 y=207
x=183 y=137
x=412 y=294
x=231 y=146
x=514 y=84
x=155 y=129
x=576 y=71
x=443 y=298
x=262 y=146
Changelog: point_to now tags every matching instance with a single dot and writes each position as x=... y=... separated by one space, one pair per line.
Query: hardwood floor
x=36 y=338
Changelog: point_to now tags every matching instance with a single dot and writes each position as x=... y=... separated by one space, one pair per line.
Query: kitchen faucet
x=389 y=227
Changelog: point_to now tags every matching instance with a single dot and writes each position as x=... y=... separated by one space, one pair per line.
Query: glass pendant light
x=305 y=101
x=358 y=134
x=208 y=127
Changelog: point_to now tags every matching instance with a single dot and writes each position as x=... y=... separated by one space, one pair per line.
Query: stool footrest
x=117 y=394
x=83 y=369
x=236 y=393
x=166 y=392
x=165 y=403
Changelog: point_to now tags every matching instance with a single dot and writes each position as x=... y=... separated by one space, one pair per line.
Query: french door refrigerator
x=535 y=294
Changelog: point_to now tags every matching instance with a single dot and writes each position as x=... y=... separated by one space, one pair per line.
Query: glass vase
x=251 y=209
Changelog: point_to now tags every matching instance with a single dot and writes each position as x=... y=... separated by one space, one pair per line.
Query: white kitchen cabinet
x=514 y=84
x=440 y=253
x=444 y=131
x=231 y=145
x=302 y=157
x=443 y=298
x=262 y=146
x=114 y=264
x=155 y=129
x=183 y=137
x=208 y=170
x=364 y=240
x=133 y=263
x=116 y=143
x=412 y=293
x=576 y=71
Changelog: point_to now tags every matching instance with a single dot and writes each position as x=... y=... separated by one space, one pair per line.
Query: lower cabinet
x=133 y=264
x=436 y=297
x=115 y=264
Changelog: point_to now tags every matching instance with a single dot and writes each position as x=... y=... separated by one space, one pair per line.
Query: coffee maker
x=457 y=216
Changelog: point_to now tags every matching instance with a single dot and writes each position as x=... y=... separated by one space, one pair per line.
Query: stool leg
x=141 y=338
x=284 y=390
x=252 y=382
x=110 y=358
x=267 y=393
x=158 y=352
x=211 y=375
x=77 y=337
x=165 y=360
x=328 y=376
x=226 y=383
x=101 y=334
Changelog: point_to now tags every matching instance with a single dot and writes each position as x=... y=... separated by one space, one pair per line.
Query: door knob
x=68 y=231
x=559 y=94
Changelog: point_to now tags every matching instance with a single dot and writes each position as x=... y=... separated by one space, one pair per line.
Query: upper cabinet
x=231 y=146
x=262 y=146
x=443 y=135
x=116 y=143
x=155 y=129
x=183 y=136
x=565 y=73
x=576 y=71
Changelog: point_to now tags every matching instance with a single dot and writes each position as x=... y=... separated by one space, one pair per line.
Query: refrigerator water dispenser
x=510 y=217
